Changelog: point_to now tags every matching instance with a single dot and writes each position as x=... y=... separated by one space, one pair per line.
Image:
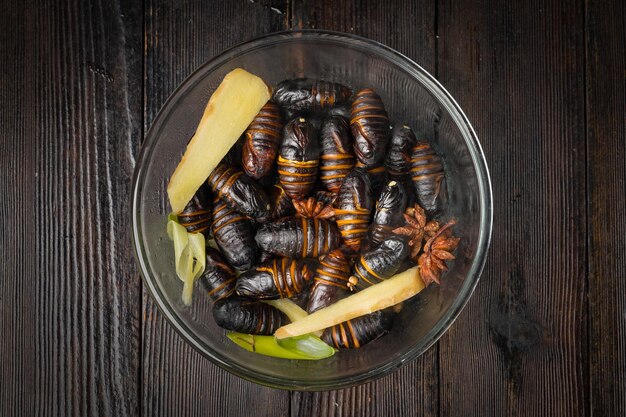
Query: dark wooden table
x=543 y=83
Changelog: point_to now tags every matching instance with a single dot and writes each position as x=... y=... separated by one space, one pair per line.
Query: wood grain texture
x=178 y=381
x=545 y=332
x=520 y=346
x=71 y=295
x=410 y=391
x=18 y=159
x=410 y=29
x=606 y=182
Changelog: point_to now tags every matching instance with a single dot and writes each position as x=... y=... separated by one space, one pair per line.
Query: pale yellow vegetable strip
x=377 y=297
x=187 y=277
x=197 y=244
x=189 y=256
x=197 y=249
x=292 y=310
x=178 y=234
x=229 y=112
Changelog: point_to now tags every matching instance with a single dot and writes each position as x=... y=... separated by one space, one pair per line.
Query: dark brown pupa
x=298 y=237
x=429 y=179
x=239 y=191
x=336 y=158
x=298 y=158
x=262 y=139
x=378 y=179
x=281 y=203
x=398 y=160
x=196 y=216
x=379 y=263
x=330 y=283
x=353 y=207
x=353 y=334
x=234 y=234
x=218 y=277
x=326 y=197
x=276 y=278
x=389 y=212
x=310 y=95
x=370 y=128
x=247 y=316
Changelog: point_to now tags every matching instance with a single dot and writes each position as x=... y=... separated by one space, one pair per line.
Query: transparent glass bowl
x=412 y=97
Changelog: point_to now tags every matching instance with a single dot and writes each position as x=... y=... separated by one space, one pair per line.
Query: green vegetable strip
x=309 y=345
x=267 y=345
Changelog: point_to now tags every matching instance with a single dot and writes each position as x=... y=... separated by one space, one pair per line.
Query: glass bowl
x=412 y=97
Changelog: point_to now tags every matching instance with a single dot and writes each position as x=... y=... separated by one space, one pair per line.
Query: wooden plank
x=18 y=159
x=520 y=346
x=71 y=294
x=178 y=381
x=410 y=391
x=413 y=390
x=606 y=179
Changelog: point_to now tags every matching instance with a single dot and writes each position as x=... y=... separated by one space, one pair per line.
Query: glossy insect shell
x=281 y=203
x=378 y=179
x=330 y=283
x=336 y=158
x=298 y=237
x=262 y=139
x=264 y=256
x=239 y=191
x=276 y=278
x=298 y=158
x=353 y=207
x=389 y=212
x=398 y=160
x=234 y=235
x=313 y=118
x=234 y=155
x=380 y=263
x=309 y=95
x=359 y=331
x=342 y=110
x=301 y=299
x=429 y=179
x=196 y=216
x=247 y=316
x=326 y=197
x=218 y=277
x=370 y=128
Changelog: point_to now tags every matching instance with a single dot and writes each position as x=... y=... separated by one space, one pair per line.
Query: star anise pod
x=431 y=228
x=437 y=250
x=414 y=228
x=313 y=208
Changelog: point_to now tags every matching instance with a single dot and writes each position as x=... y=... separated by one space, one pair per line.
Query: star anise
x=431 y=228
x=416 y=228
x=437 y=250
x=313 y=208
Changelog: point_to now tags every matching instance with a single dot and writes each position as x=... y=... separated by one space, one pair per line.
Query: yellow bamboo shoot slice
x=229 y=112
x=377 y=297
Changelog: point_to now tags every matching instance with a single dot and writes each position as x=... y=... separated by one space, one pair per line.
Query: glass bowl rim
x=478 y=162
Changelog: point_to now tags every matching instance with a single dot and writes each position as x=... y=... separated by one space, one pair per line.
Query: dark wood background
x=543 y=82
